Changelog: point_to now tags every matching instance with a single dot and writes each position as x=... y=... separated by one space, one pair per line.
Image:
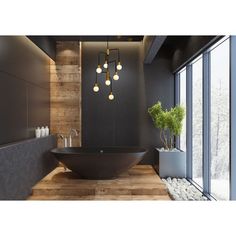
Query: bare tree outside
x=220 y=121
x=197 y=120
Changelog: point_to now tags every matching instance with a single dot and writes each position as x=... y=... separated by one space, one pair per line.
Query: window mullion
x=177 y=102
x=206 y=123
x=189 y=105
x=232 y=118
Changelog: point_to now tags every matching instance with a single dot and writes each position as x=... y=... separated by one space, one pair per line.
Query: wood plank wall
x=65 y=90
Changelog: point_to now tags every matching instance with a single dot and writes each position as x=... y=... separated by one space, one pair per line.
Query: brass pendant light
x=106 y=69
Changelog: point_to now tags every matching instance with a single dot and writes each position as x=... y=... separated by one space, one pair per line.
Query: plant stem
x=163 y=142
x=166 y=142
x=171 y=141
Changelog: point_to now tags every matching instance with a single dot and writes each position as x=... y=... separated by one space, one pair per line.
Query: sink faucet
x=72 y=131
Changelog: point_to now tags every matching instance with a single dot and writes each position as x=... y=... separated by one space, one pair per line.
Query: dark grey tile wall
x=24 y=88
x=23 y=164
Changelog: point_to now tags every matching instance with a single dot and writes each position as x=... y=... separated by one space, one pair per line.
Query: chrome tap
x=65 y=145
x=65 y=139
x=72 y=131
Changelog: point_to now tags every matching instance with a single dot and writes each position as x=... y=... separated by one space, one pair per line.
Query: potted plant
x=169 y=161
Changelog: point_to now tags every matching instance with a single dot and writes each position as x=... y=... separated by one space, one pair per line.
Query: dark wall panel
x=106 y=122
x=21 y=58
x=13 y=109
x=24 y=88
x=159 y=86
x=124 y=121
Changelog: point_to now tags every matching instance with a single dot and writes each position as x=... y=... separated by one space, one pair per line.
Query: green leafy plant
x=169 y=122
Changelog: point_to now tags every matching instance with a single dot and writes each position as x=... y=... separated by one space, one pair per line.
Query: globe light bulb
x=105 y=65
x=107 y=82
x=96 y=88
x=111 y=96
x=119 y=66
x=116 y=76
x=99 y=69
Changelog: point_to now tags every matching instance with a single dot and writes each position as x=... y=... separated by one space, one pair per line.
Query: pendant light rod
x=111 y=85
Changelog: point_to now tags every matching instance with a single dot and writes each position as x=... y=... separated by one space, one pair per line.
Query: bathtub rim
x=127 y=150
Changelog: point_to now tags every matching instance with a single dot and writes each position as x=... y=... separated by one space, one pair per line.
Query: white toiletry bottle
x=42 y=132
x=46 y=131
x=37 y=132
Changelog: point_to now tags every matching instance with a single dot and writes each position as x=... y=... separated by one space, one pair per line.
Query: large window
x=197 y=120
x=220 y=120
x=209 y=89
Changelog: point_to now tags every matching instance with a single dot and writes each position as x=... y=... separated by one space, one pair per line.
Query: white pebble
x=182 y=189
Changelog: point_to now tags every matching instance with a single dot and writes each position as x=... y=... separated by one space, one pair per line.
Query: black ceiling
x=174 y=42
x=48 y=43
x=97 y=38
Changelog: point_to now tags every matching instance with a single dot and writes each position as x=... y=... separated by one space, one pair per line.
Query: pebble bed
x=183 y=190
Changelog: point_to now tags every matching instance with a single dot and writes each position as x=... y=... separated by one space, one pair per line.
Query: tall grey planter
x=170 y=164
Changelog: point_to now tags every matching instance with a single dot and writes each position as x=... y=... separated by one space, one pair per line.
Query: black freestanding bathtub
x=99 y=163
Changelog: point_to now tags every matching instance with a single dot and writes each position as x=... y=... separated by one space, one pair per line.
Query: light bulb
x=105 y=65
x=95 y=88
x=119 y=66
x=107 y=82
x=111 y=96
x=116 y=76
x=99 y=69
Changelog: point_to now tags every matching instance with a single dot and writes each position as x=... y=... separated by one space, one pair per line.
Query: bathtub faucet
x=65 y=140
x=72 y=131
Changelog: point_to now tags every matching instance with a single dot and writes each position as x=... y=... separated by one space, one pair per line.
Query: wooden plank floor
x=139 y=183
